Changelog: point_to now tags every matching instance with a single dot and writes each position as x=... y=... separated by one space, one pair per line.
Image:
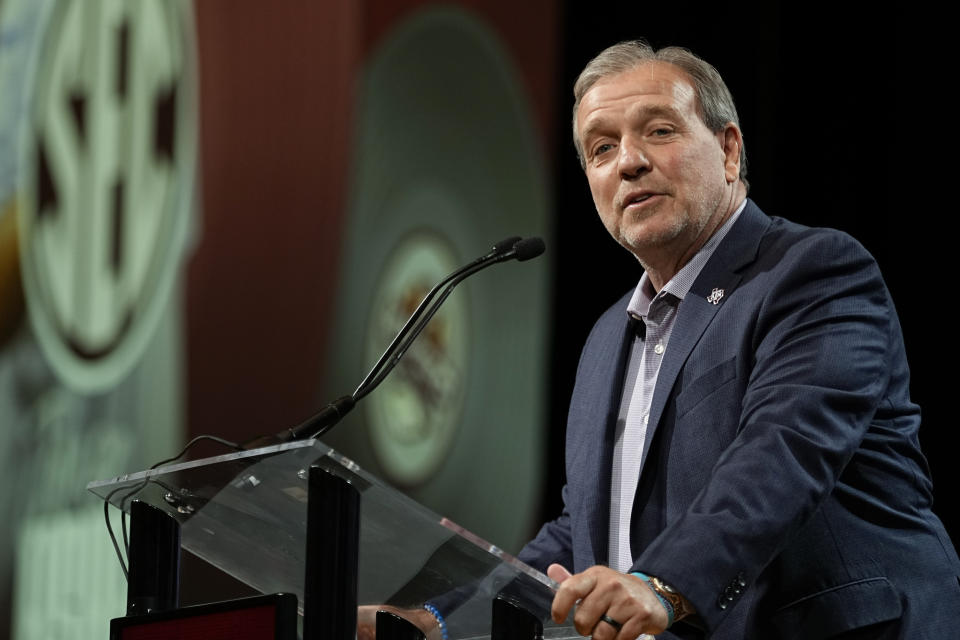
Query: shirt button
x=646 y=418
x=658 y=349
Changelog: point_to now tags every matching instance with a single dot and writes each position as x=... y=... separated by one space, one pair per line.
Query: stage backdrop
x=213 y=217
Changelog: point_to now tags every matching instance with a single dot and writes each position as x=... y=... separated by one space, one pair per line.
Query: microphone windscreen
x=505 y=245
x=529 y=248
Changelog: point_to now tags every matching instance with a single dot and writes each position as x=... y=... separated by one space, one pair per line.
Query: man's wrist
x=676 y=605
x=441 y=623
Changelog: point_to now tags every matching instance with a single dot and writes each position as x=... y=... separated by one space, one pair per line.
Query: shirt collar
x=680 y=283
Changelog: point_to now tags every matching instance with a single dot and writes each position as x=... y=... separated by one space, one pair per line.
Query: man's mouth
x=637 y=199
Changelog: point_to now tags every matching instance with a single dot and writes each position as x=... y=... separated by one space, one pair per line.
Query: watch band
x=676 y=605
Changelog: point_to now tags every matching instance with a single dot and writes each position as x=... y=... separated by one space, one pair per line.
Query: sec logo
x=107 y=161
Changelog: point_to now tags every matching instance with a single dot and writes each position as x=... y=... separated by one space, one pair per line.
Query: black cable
x=136 y=489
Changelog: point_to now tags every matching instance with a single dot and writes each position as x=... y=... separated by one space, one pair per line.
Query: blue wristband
x=440 y=621
x=666 y=603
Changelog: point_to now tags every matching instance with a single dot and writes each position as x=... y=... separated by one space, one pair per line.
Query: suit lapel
x=722 y=272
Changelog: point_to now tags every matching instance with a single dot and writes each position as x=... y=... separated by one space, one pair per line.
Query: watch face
x=664 y=586
x=415 y=413
x=107 y=162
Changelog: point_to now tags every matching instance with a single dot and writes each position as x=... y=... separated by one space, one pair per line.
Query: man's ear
x=732 y=142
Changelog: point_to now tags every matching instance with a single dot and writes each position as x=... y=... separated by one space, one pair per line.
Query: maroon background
x=277 y=87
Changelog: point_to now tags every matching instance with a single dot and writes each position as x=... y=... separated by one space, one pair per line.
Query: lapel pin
x=715 y=295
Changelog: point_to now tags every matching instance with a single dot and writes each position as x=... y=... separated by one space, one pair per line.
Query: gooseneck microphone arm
x=326 y=418
x=500 y=248
x=521 y=250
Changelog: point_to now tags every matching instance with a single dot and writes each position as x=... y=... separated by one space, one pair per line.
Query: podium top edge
x=190 y=464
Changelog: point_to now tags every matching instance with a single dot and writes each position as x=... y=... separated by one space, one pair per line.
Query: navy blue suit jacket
x=783 y=491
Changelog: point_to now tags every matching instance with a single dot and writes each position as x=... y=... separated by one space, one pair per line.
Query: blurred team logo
x=18 y=26
x=107 y=161
x=414 y=414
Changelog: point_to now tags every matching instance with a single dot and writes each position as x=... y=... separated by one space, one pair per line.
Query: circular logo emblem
x=416 y=410
x=107 y=164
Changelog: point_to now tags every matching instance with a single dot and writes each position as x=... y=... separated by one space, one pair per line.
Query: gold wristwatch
x=681 y=608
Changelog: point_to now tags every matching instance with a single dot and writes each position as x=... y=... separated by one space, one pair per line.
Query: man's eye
x=602 y=148
x=662 y=131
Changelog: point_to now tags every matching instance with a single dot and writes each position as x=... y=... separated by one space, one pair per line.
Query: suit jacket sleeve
x=552 y=544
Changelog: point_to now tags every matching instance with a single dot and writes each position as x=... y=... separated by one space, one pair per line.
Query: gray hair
x=714 y=102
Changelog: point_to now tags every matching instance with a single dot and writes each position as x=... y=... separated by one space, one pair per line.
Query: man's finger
x=572 y=589
x=558 y=573
x=592 y=607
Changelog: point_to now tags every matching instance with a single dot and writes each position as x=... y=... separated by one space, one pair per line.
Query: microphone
x=526 y=249
x=513 y=248
x=530 y=248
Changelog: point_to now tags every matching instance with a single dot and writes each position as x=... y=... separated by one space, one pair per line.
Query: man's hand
x=602 y=591
x=367 y=620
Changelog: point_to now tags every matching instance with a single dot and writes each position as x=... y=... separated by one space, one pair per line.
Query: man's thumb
x=558 y=573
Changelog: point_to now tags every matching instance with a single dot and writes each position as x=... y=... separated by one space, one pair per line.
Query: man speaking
x=742 y=457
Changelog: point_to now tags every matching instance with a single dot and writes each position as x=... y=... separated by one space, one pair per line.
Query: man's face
x=657 y=173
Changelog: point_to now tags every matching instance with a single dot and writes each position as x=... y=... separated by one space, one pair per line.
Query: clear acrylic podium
x=246 y=513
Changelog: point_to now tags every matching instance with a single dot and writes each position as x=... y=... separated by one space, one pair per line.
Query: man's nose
x=632 y=160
